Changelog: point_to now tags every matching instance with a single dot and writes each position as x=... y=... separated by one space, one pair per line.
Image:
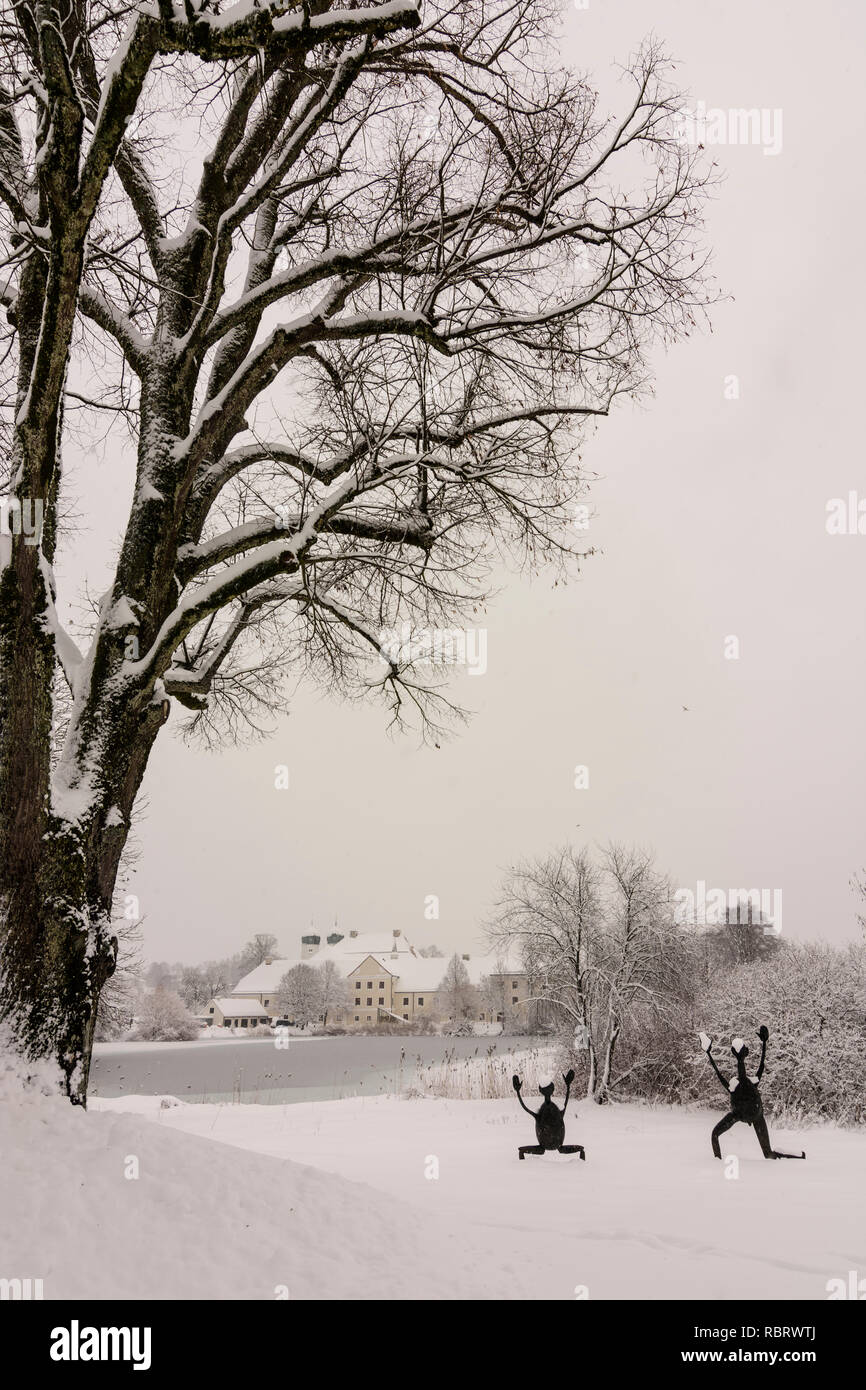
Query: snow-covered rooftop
x=421 y=972
x=403 y=962
x=239 y=1008
x=265 y=977
x=366 y=943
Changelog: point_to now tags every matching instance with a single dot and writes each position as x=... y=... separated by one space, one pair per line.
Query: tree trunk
x=62 y=833
x=603 y=1095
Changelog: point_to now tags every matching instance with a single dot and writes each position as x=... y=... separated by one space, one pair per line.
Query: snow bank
x=204 y=1219
x=381 y=1198
x=650 y=1214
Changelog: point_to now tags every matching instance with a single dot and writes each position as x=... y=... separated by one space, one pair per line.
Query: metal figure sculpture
x=549 y=1122
x=746 y=1104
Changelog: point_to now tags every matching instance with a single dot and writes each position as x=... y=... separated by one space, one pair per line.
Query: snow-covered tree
x=603 y=950
x=743 y=938
x=457 y=993
x=261 y=947
x=163 y=1017
x=334 y=988
x=343 y=357
x=300 y=996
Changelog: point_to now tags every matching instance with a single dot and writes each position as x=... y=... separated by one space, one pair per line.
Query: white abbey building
x=386 y=979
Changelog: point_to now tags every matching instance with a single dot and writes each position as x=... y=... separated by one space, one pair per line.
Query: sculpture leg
x=572 y=1149
x=730 y=1119
x=530 y=1149
x=760 y=1128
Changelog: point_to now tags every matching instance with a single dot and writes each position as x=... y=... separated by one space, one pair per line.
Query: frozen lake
x=256 y=1070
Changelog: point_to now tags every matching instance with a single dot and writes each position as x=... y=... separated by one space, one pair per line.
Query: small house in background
x=236 y=1013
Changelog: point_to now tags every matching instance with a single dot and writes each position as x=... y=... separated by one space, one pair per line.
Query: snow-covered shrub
x=813 y=1000
x=464 y=1029
x=163 y=1017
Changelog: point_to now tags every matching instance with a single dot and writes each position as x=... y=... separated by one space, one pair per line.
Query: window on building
x=245 y=1022
x=357 y=984
x=357 y=1019
x=381 y=984
x=420 y=999
x=369 y=1001
x=369 y=984
x=405 y=1001
x=406 y=1016
x=210 y=1010
x=514 y=984
x=267 y=1002
x=357 y=1001
x=381 y=998
x=514 y=998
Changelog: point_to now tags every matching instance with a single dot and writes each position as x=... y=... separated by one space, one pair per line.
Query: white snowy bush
x=813 y=1000
x=163 y=1017
x=812 y=997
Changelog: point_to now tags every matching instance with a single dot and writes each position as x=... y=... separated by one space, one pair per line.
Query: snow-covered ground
x=341 y=1200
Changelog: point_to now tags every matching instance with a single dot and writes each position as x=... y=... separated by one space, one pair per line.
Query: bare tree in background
x=123 y=990
x=550 y=909
x=605 y=951
x=645 y=960
x=347 y=356
x=743 y=938
x=334 y=989
x=457 y=992
x=261 y=947
x=858 y=886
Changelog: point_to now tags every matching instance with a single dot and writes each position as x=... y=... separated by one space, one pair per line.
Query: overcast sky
x=711 y=520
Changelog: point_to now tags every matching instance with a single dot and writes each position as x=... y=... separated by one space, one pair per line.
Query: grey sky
x=712 y=523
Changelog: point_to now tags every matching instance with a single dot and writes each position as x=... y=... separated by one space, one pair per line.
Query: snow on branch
x=249 y=26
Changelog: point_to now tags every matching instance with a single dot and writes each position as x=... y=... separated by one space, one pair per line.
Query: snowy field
x=339 y=1200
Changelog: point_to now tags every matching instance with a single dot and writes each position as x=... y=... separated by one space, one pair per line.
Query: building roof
x=266 y=977
x=366 y=943
x=391 y=965
x=350 y=953
x=239 y=1008
x=421 y=973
